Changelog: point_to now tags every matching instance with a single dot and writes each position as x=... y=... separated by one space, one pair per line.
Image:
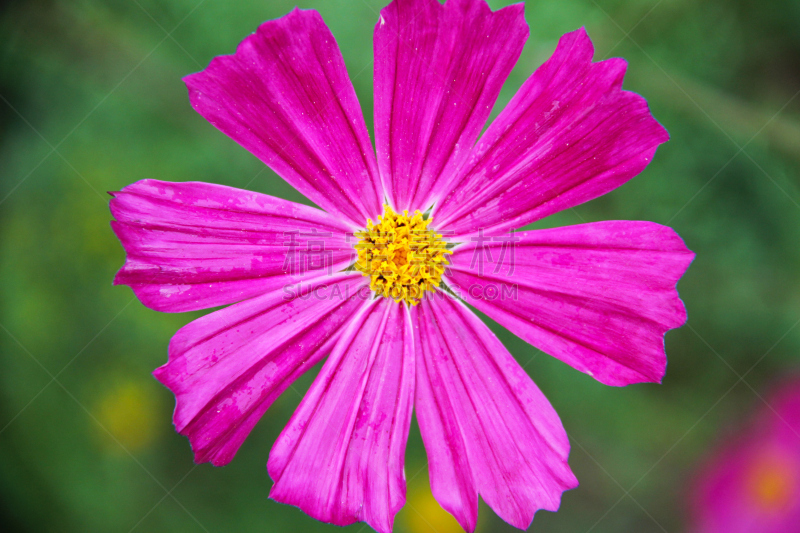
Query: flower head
x=378 y=279
x=753 y=483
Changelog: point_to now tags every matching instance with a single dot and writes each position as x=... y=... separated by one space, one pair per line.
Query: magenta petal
x=340 y=459
x=227 y=368
x=726 y=499
x=569 y=135
x=285 y=96
x=487 y=428
x=438 y=71
x=198 y=245
x=597 y=296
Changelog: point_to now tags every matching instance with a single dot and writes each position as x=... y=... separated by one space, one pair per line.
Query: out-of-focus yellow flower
x=423 y=514
x=129 y=413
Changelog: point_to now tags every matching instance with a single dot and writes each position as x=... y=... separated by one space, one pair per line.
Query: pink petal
x=597 y=296
x=783 y=412
x=286 y=97
x=725 y=496
x=197 y=245
x=340 y=459
x=438 y=71
x=227 y=368
x=569 y=135
x=487 y=428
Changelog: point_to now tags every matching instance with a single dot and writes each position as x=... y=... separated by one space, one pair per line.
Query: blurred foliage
x=92 y=100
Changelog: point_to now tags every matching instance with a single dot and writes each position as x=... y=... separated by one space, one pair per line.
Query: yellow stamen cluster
x=402 y=257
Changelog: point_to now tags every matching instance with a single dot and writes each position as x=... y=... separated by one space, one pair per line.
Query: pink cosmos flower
x=370 y=280
x=752 y=485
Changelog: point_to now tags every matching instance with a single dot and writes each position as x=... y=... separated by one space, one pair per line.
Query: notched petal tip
x=340 y=458
x=118 y=279
x=199 y=455
x=226 y=369
x=264 y=26
x=454 y=57
x=609 y=319
x=193 y=245
x=487 y=429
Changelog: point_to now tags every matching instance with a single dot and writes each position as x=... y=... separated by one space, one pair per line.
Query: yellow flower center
x=402 y=256
x=771 y=484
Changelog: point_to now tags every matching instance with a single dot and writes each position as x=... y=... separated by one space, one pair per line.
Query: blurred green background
x=92 y=100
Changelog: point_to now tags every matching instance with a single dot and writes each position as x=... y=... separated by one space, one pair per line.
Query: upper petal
x=198 y=245
x=285 y=96
x=597 y=296
x=340 y=458
x=569 y=135
x=227 y=367
x=438 y=71
x=487 y=428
